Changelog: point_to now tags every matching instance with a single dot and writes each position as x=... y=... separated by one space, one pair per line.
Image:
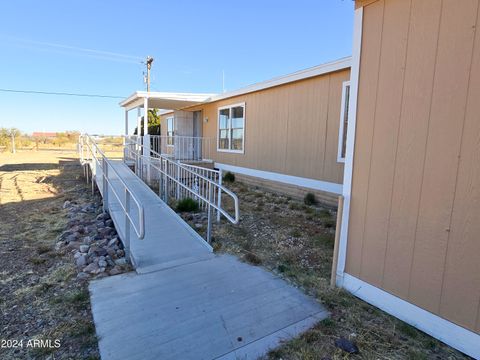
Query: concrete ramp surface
x=219 y=308
x=183 y=301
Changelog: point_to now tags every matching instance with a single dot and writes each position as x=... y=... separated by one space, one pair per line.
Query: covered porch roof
x=163 y=100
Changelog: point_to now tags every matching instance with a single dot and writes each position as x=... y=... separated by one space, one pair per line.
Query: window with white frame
x=231 y=128
x=342 y=131
x=170 y=130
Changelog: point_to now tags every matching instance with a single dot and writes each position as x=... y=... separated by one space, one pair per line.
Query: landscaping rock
x=97 y=251
x=121 y=262
x=102 y=264
x=102 y=217
x=115 y=271
x=113 y=242
x=109 y=223
x=81 y=261
x=111 y=252
x=73 y=245
x=72 y=237
x=87 y=240
x=346 y=345
x=91 y=268
x=64 y=235
x=82 y=276
x=84 y=248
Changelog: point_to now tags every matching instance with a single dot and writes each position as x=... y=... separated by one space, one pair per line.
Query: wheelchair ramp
x=168 y=241
x=184 y=302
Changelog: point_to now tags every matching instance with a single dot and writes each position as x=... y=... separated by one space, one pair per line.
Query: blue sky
x=192 y=43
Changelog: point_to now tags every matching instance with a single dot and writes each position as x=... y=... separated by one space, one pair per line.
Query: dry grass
x=40 y=297
x=296 y=241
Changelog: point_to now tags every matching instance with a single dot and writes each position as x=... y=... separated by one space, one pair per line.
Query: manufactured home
x=410 y=236
x=286 y=134
x=395 y=130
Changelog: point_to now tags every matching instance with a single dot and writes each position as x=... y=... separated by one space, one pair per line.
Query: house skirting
x=294 y=186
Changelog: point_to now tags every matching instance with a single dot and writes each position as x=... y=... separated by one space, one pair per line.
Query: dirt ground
x=296 y=242
x=40 y=297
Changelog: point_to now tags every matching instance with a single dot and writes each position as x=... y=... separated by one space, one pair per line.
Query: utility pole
x=149 y=66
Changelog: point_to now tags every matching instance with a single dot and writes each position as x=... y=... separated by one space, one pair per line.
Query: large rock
x=115 y=271
x=111 y=252
x=82 y=276
x=113 y=242
x=97 y=251
x=72 y=237
x=346 y=345
x=87 y=240
x=63 y=236
x=121 y=262
x=81 y=261
x=102 y=217
x=91 y=268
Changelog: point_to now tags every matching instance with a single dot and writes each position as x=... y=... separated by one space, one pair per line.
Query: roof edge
x=322 y=69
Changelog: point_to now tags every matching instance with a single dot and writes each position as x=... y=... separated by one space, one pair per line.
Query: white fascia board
x=136 y=99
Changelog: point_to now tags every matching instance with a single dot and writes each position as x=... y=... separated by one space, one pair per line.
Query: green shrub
x=187 y=205
x=229 y=177
x=310 y=199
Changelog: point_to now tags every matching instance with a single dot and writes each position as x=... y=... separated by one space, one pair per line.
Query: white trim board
x=349 y=152
x=451 y=334
x=283 y=178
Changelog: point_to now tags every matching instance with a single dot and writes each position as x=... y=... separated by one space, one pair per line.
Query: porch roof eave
x=164 y=100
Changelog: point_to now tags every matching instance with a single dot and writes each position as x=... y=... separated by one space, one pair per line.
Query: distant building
x=43 y=135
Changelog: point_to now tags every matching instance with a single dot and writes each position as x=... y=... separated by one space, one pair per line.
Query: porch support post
x=126 y=122
x=125 y=140
x=146 y=138
x=139 y=139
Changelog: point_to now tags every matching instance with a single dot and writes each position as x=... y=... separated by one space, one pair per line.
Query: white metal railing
x=174 y=179
x=93 y=158
x=185 y=148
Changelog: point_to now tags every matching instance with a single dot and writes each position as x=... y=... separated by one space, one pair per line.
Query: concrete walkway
x=184 y=302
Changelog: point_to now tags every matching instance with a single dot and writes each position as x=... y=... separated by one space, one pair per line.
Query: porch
x=181 y=137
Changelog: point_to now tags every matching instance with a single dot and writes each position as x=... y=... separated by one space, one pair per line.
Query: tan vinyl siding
x=289 y=129
x=415 y=208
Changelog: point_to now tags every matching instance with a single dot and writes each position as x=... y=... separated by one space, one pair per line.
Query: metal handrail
x=181 y=168
x=105 y=165
x=181 y=147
